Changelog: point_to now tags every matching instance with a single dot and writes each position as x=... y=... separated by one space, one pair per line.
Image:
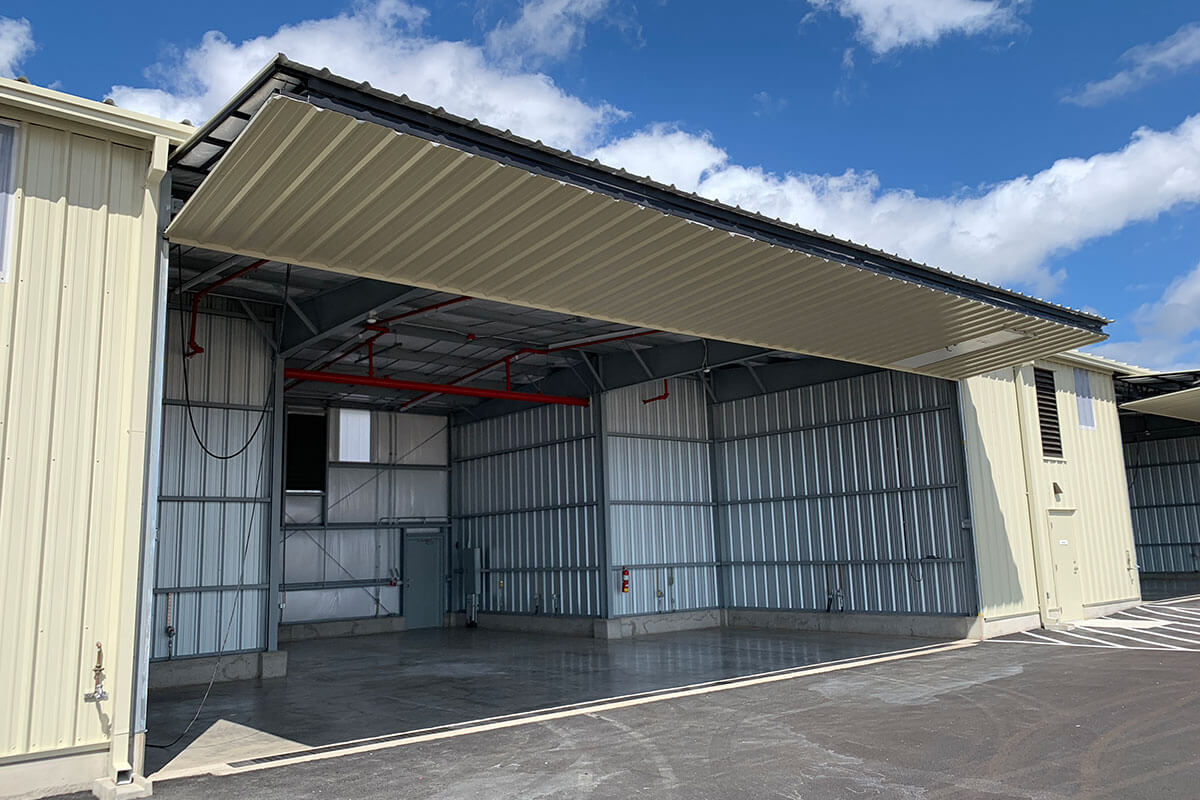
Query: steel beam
x=466 y=390
x=337 y=311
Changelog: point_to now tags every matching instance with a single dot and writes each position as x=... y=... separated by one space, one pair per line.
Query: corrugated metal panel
x=355 y=532
x=1092 y=477
x=999 y=505
x=1164 y=495
x=849 y=489
x=421 y=439
x=684 y=414
x=76 y=316
x=658 y=461
x=525 y=492
x=212 y=510
x=529 y=428
x=1178 y=405
x=443 y=219
x=369 y=494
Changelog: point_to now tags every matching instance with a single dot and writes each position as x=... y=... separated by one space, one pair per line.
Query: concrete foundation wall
x=229 y=667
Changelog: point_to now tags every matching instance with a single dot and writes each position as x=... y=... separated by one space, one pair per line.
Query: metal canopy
x=1184 y=404
x=308 y=169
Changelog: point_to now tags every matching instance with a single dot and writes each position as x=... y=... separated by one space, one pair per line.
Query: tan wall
x=1005 y=462
x=1091 y=475
x=76 y=323
x=996 y=471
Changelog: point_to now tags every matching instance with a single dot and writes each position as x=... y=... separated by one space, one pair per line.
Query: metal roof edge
x=1099 y=363
x=362 y=101
x=60 y=105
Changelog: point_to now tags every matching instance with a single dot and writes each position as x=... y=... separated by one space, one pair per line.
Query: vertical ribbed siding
x=1091 y=475
x=660 y=499
x=1164 y=495
x=213 y=511
x=340 y=556
x=999 y=504
x=525 y=491
x=850 y=487
x=75 y=320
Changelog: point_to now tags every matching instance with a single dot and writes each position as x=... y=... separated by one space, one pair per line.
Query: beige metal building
x=638 y=410
x=78 y=284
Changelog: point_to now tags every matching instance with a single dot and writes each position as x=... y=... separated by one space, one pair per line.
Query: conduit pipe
x=430 y=388
x=194 y=347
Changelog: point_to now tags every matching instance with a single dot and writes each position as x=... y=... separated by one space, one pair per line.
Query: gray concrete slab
x=343 y=689
x=996 y=720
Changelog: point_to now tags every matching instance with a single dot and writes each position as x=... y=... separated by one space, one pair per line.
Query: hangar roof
x=307 y=168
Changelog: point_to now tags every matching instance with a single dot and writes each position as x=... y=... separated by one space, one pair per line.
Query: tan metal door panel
x=1068 y=584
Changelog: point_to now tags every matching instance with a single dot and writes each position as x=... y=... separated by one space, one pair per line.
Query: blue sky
x=1046 y=146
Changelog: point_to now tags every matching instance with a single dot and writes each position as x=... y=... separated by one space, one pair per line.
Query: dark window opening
x=1047 y=408
x=305 y=468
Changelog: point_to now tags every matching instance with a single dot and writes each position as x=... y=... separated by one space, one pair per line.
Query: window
x=305 y=466
x=1083 y=400
x=1047 y=409
x=8 y=188
x=354 y=435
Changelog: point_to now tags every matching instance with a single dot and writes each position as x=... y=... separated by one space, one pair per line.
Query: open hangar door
x=570 y=476
x=1160 y=429
x=444 y=375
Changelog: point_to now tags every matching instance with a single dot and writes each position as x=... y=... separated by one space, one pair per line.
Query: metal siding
x=212 y=510
x=355 y=532
x=660 y=519
x=75 y=322
x=1092 y=476
x=1164 y=495
x=851 y=485
x=525 y=492
x=446 y=220
x=999 y=503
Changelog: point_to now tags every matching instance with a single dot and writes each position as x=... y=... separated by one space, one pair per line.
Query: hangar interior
x=1160 y=430
x=502 y=386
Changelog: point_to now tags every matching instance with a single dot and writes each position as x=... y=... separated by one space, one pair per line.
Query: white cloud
x=380 y=42
x=545 y=30
x=666 y=154
x=16 y=44
x=1147 y=62
x=1168 y=330
x=887 y=25
x=1003 y=233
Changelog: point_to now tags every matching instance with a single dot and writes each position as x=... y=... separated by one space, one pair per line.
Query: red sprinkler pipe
x=430 y=388
x=382 y=326
x=194 y=347
x=537 y=351
x=666 y=392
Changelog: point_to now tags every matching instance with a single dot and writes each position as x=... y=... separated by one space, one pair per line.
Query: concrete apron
x=228 y=748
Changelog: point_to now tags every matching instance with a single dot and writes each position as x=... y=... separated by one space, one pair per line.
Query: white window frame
x=1085 y=401
x=8 y=214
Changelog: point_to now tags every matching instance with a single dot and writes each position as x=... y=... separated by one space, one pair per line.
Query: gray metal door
x=423 y=581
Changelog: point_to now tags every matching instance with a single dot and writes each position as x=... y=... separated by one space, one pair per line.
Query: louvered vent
x=1047 y=407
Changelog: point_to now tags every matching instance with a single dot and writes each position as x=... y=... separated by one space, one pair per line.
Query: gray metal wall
x=343 y=548
x=658 y=459
x=1164 y=495
x=525 y=491
x=212 y=512
x=853 y=486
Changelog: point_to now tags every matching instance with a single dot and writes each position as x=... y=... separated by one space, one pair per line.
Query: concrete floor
x=997 y=720
x=343 y=689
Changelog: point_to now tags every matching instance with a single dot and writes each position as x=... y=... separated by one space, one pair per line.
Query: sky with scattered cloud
x=1009 y=140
